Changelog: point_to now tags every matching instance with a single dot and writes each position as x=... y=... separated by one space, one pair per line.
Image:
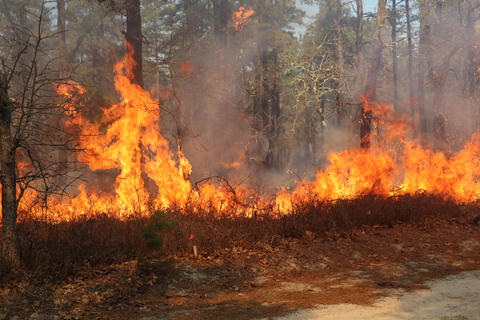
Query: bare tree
x=370 y=91
x=393 y=23
x=27 y=136
x=422 y=53
x=62 y=47
x=411 y=90
x=359 y=43
x=133 y=35
x=340 y=60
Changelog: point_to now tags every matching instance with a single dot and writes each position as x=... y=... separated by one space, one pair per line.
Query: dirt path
x=454 y=297
x=380 y=272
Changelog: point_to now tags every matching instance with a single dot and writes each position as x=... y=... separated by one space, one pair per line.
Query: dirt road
x=454 y=297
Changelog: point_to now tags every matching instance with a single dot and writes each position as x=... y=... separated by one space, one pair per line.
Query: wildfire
x=241 y=16
x=128 y=141
x=394 y=165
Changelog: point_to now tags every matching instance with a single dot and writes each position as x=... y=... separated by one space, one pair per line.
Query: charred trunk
x=62 y=47
x=393 y=22
x=10 y=249
x=222 y=13
x=359 y=43
x=422 y=52
x=133 y=36
x=370 y=91
x=267 y=105
x=411 y=93
x=340 y=63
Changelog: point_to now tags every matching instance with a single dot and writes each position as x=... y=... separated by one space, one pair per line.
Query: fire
x=395 y=165
x=186 y=67
x=241 y=16
x=127 y=141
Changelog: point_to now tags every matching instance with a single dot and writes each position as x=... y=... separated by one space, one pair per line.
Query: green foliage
x=151 y=231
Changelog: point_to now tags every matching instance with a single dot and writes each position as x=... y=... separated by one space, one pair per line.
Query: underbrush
x=60 y=250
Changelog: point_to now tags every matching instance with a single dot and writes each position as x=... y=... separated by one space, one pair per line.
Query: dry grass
x=59 y=250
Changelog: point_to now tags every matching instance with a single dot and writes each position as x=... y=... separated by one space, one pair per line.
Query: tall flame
x=128 y=140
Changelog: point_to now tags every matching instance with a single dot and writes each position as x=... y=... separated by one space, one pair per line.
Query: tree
x=422 y=53
x=411 y=90
x=340 y=60
x=359 y=42
x=10 y=250
x=133 y=36
x=393 y=22
x=62 y=43
x=27 y=138
x=371 y=86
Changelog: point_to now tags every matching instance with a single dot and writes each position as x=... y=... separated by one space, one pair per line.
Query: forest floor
x=273 y=279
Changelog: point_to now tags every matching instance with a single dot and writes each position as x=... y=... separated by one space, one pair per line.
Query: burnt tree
x=423 y=50
x=340 y=61
x=10 y=249
x=266 y=104
x=222 y=13
x=133 y=36
x=359 y=42
x=393 y=22
x=411 y=90
x=62 y=47
x=370 y=91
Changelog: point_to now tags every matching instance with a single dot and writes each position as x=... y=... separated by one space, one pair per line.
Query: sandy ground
x=454 y=297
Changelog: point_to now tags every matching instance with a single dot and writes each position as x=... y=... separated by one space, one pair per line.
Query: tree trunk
x=370 y=91
x=411 y=93
x=393 y=22
x=63 y=65
x=266 y=104
x=133 y=36
x=471 y=65
x=340 y=63
x=62 y=47
x=222 y=13
x=359 y=44
x=273 y=106
x=422 y=50
x=10 y=249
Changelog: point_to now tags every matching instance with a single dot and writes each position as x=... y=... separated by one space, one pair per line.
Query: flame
x=127 y=141
x=396 y=165
x=240 y=17
x=186 y=67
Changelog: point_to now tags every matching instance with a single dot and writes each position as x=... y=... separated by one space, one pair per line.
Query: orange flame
x=240 y=17
x=128 y=140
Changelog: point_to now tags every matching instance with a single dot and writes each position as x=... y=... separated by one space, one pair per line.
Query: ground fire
x=131 y=142
x=227 y=159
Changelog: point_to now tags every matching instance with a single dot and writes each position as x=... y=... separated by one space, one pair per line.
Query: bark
x=63 y=65
x=393 y=20
x=267 y=105
x=359 y=43
x=10 y=249
x=471 y=64
x=340 y=62
x=133 y=36
x=422 y=50
x=370 y=91
x=222 y=13
x=438 y=74
x=62 y=47
x=411 y=93
x=188 y=9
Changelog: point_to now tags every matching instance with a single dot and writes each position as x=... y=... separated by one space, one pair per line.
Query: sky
x=369 y=6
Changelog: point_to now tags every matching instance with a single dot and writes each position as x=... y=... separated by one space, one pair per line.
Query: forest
x=136 y=129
